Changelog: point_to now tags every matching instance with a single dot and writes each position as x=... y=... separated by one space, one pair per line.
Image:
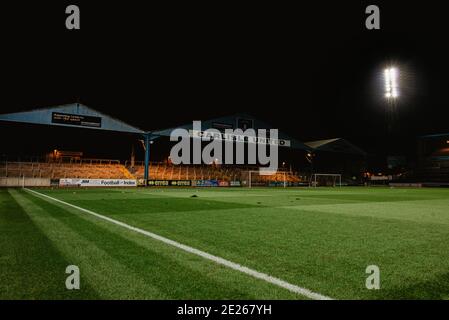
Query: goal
x=325 y=180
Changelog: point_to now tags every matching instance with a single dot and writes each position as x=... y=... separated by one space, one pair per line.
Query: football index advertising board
x=97 y=183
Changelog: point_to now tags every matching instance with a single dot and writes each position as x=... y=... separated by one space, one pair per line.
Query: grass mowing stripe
x=61 y=228
x=31 y=266
x=121 y=264
x=258 y=275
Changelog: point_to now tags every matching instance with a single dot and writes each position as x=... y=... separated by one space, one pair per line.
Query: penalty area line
x=232 y=265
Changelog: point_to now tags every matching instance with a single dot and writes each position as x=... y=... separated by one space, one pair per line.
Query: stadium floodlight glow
x=391 y=83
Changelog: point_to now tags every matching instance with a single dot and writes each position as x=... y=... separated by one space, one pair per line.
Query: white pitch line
x=235 y=266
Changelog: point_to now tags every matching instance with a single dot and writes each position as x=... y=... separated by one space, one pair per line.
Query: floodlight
x=391 y=82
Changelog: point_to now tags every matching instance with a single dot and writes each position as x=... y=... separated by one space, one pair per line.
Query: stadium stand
x=164 y=171
x=433 y=169
x=433 y=161
x=112 y=169
x=64 y=170
x=329 y=156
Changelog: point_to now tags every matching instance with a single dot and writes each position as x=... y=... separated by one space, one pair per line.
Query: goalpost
x=327 y=179
x=257 y=179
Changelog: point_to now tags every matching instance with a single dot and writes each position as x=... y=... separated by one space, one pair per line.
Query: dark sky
x=310 y=70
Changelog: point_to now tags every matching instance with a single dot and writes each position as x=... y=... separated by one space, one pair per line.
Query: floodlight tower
x=391 y=76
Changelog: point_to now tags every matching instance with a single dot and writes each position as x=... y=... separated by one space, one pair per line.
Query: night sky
x=313 y=71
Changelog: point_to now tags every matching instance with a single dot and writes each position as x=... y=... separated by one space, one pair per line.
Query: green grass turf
x=321 y=239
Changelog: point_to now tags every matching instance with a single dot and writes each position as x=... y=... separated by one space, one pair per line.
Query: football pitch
x=206 y=243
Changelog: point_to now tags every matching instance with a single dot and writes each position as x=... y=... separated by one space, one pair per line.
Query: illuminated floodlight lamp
x=391 y=83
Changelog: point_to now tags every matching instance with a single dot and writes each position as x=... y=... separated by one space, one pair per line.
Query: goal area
x=325 y=180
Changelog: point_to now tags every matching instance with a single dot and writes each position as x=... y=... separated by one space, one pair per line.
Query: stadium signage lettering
x=169 y=183
x=235 y=183
x=213 y=151
x=76 y=120
x=66 y=182
x=238 y=137
x=206 y=183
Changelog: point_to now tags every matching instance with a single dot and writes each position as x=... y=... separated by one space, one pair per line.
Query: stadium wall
x=26 y=182
x=46 y=182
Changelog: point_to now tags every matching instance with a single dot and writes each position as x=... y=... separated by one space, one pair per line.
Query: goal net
x=325 y=180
